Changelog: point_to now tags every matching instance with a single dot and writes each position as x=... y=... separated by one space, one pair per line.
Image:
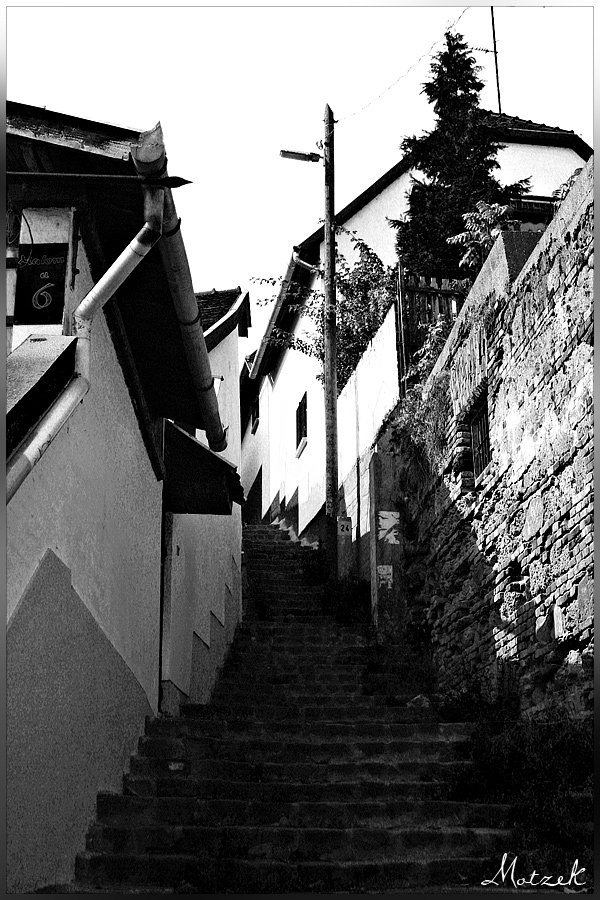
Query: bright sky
x=232 y=86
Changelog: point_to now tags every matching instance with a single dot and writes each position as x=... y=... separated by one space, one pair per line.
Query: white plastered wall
x=94 y=500
x=205 y=559
x=273 y=446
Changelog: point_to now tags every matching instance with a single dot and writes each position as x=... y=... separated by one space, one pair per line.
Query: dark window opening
x=480 y=437
x=301 y=432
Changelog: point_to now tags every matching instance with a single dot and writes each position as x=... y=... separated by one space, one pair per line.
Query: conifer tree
x=454 y=164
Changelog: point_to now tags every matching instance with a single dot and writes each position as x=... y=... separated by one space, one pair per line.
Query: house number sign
x=41 y=272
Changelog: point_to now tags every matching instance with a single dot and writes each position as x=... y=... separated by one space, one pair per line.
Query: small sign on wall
x=385 y=577
x=345 y=526
x=388 y=526
x=41 y=273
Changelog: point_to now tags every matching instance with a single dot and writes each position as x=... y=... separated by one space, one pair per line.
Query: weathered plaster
x=74 y=713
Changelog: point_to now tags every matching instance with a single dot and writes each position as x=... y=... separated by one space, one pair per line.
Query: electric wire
x=404 y=74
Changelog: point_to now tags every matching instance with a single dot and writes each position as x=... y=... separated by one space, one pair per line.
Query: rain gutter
x=150 y=159
x=40 y=438
x=264 y=344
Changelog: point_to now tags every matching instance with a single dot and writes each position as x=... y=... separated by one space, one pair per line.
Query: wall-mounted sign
x=345 y=526
x=41 y=272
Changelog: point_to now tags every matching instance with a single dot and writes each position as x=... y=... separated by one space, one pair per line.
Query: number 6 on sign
x=41 y=299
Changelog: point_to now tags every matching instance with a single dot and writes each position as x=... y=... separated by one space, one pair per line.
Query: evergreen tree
x=456 y=161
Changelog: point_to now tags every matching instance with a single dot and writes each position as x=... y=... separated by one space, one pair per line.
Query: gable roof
x=514 y=130
x=141 y=316
x=214 y=304
x=505 y=128
x=221 y=311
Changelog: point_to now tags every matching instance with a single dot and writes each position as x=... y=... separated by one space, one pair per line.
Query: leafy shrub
x=542 y=766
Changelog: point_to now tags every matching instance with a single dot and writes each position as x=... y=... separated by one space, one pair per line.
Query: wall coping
x=495 y=275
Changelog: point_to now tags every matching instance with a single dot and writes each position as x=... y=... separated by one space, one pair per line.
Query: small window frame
x=479 y=425
x=301 y=425
x=254 y=414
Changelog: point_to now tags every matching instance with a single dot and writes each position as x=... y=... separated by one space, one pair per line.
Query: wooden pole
x=331 y=442
x=401 y=349
x=496 y=60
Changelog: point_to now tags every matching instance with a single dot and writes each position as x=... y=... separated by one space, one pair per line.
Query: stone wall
x=499 y=566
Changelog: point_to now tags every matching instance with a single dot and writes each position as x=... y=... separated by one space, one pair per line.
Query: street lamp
x=331 y=442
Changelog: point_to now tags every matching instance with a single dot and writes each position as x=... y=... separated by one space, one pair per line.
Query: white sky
x=232 y=86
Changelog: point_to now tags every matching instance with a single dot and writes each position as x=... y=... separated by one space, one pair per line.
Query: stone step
x=290 y=791
x=254 y=749
x=217 y=876
x=122 y=809
x=296 y=844
x=321 y=680
x=351 y=713
x=330 y=657
x=186 y=728
x=343 y=731
x=389 y=814
x=234 y=692
x=285 y=641
x=236 y=771
x=275 y=616
x=281 y=576
x=276 y=550
x=293 y=630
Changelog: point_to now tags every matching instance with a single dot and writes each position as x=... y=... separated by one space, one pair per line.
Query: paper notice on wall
x=388 y=526
x=385 y=577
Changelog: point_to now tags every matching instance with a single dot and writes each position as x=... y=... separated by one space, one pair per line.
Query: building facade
x=105 y=488
x=288 y=473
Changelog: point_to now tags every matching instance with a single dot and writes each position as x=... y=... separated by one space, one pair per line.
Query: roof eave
x=279 y=303
x=239 y=315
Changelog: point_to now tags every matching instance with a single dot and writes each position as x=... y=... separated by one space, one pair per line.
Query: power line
x=421 y=58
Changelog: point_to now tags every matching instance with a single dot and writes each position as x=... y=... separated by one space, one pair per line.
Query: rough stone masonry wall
x=501 y=566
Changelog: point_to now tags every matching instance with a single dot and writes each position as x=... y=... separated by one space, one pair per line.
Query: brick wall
x=500 y=563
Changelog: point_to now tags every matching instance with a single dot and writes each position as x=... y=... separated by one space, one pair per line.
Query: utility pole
x=330 y=340
x=496 y=59
x=331 y=441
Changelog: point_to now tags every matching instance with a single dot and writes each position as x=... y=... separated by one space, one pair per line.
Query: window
x=254 y=414
x=480 y=437
x=301 y=432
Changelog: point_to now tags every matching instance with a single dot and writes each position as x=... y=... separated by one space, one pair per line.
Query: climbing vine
x=419 y=425
x=365 y=290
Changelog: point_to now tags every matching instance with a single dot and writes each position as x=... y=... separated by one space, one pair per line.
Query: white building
x=283 y=423
x=124 y=529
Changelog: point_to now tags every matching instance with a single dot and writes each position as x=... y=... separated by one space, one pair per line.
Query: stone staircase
x=298 y=776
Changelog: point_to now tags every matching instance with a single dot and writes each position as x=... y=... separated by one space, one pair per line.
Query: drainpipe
x=44 y=433
x=149 y=157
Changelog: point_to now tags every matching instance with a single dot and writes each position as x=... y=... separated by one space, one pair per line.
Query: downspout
x=149 y=157
x=46 y=430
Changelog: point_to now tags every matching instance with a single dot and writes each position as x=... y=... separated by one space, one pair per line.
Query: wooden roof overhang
x=141 y=316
